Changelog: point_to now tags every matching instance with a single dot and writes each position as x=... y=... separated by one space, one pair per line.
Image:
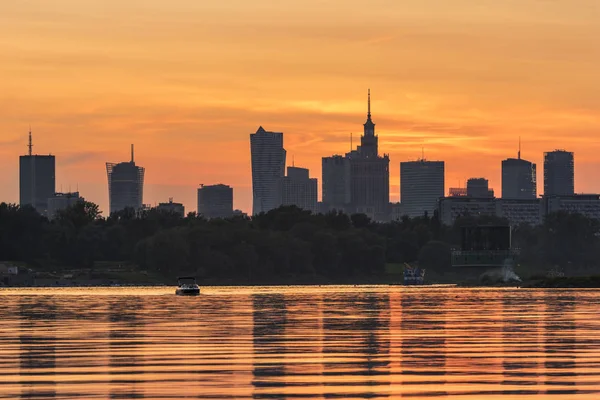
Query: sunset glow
x=188 y=81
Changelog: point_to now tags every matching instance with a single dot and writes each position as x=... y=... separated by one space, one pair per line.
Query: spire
x=519 y=154
x=30 y=145
x=132 y=153
x=369 y=104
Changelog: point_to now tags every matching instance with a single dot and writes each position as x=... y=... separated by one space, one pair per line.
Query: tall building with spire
x=37 y=179
x=125 y=185
x=369 y=174
x=268 y=169
x=519 y=179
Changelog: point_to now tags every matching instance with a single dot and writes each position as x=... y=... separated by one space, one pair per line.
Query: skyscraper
x=37 y=180
x=268 y=169
x=215 y=201
x=559 y=173
x=125 y=185
x=519 y=179
x=336 y=182
x=421 y=186
x=370 y=174
x=299 y=189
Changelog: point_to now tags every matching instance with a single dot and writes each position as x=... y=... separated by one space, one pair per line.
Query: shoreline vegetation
x=286 y=246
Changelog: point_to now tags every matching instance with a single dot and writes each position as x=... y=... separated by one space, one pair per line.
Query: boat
x=413 y=275
x=187 y=286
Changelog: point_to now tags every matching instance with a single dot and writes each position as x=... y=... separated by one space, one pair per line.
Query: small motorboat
x=187 y=286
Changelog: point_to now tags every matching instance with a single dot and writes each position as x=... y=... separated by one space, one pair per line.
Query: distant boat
x=187 y=286
x=413 y=275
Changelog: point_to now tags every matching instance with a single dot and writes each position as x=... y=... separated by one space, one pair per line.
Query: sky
x=187 y=81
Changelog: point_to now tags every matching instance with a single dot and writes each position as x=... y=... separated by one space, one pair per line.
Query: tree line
x=282 y=243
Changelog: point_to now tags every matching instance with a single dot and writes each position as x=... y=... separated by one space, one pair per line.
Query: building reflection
x=270 y=318
x=423 y=351
x=560 y=343
x=521 y=343
x=37 y=357
x=125 y=342
x=357 y=345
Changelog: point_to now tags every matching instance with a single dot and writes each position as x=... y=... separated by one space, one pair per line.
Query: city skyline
x=463 y=81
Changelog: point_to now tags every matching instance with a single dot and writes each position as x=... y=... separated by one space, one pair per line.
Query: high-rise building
x=421 y=186
x=37 y=180
x=369 y=174
x=125 y=185
x=519 y=179
x=215 y=201
x=479 y=188
x=171 y=207
x=299 y=189
x=61 y=201
x=268 y=169
x=559 y=173
x=336 y=183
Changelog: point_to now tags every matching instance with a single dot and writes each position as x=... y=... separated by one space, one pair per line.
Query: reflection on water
x=304 y=342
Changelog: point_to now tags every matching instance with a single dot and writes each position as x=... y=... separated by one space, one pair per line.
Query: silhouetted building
x=37 y=180
x=215 y=201
x=61 y=201
x=299 y=189
x=369 y=175
x=397 y=211
x=125 y=185
x=457 y=192
x=268 y=169
x=559 y=173
x=451 y=208
x=478 y=187
x=520 y=211
x=421 y=186
x=585 y=204
x=175 y=208
x=519 y=179
x=335 y=183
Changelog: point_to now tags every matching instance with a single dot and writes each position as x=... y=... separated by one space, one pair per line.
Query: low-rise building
x=175 y=208
x=215 y=201
x=450 y=208
x=520 y=211
x=585 y=204
x=61 y=201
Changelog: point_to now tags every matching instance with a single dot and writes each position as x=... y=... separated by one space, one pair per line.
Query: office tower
x=61 y=201
x=421 y=186
x=171 y=207
x=519 y=179
x=299 y=189
x=369 y=174
x=215 y=201
x=36 y=179
x=268 y=168
x=125 y=185
x=336 y=183
x=559 y=173
x=478 y=187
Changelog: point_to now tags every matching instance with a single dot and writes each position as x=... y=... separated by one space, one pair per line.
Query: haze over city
x=187 y=82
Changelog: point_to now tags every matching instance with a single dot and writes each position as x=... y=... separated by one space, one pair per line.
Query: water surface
x=300 y=342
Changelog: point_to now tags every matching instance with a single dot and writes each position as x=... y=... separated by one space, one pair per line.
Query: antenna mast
x=350 y=141
x=30 y=145
x=132 y=153
x=519 y=154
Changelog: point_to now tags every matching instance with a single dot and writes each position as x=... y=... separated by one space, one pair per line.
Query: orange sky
x=187 y=81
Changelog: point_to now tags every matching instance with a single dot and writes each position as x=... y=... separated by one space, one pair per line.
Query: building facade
x=585 y=204
x=479 y=188
x=215 y=201
x=421 y=186
x=171 y=207
x=61 y=201
x=369 y=174
x=519 y=180
x=125 y=185
x=335 y=183
x=37 y=179
x=300 y=190
x=559 y=173
x=268 y=169
x=451 y=208
x=520 y=211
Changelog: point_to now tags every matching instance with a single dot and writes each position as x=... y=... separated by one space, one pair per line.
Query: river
x=330 y=342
